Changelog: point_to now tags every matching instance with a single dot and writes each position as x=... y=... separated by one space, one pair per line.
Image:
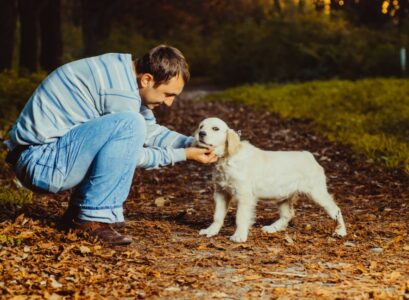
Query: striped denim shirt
x=86 y=89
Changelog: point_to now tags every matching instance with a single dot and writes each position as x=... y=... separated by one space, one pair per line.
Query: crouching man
x=90 y=123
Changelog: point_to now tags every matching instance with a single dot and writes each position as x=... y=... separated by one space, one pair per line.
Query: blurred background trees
x=39 y=34
x=228 y=41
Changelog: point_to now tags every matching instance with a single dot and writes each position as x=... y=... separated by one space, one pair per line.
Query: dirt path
x=169 y=260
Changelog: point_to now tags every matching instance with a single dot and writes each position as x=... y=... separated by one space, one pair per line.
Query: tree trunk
x=28 y=11
x=319 y=5
x=96 y=18
x=301 y=6
x=51 y=37
x=277 y=6
x=8 y=18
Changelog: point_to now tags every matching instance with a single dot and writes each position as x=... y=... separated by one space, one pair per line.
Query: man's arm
x=160 y=136
x=164 y=147
x=155 y=157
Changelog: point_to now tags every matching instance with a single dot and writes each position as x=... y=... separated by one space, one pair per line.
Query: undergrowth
x=371 y=115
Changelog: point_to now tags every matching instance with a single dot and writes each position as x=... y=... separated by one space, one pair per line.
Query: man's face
x=153 y=96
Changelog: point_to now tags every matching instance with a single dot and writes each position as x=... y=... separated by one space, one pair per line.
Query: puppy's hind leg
x=325 y=200
x=221 y=202
x=286 y=214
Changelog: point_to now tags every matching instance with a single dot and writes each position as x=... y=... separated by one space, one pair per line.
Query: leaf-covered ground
x=169 y=260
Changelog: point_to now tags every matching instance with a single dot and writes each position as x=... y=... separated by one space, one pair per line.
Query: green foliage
x=14 y=93
x=370 y=115
x=10 y=194
x=304 y=48
x=200 y=51
x=11 y=191
x=236 y=42
x=123 y=38
x=10 y=241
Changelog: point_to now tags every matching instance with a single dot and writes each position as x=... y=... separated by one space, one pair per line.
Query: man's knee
x=132 y=122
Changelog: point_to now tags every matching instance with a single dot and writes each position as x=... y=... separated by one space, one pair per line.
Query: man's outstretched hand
x=202 y=155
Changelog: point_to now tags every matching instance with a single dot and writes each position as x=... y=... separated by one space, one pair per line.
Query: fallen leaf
x=160 y=201
x=172 y=289
x=252 y=277
x=85 y=249
x=54 y=283
x=288 y=239
x=202 y=247
x=219 y=295
x=25 y=234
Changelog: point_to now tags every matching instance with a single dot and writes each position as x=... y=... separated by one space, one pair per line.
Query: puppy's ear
x=232 y=142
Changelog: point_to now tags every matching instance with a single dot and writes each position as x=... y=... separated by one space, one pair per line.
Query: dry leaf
x=85 y=249
x=25 y=234
x=219 y=295
x=54 y=283
x=160 y=201
x=169 y=256
x=288 y=239
x=252 y=277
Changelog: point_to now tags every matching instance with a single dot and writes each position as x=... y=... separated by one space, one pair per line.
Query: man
x=90 y=123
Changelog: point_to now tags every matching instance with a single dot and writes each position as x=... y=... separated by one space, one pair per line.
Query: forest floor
x=170 y=260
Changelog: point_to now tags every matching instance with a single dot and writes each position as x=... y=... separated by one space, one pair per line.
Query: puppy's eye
x=215 y=128
x=201 y=126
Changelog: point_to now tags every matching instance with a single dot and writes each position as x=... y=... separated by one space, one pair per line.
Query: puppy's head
x=214 y=133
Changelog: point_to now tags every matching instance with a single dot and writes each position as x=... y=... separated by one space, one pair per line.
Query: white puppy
x=245 y=173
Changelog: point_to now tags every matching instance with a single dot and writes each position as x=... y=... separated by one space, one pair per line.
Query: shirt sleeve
x=162 y=146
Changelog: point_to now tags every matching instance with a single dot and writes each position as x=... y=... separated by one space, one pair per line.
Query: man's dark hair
x=163 y=62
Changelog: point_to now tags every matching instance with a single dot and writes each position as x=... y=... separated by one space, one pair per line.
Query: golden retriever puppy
x=245 y=173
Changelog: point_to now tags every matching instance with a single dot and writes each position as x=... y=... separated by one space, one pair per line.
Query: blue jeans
x=97 y=158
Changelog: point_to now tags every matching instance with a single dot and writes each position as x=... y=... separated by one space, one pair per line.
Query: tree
x=51 y=39
x=29 y=13
x=97 y=16
x=8 y=17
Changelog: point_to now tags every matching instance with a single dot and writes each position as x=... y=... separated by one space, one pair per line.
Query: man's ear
x=232 y=142
x=146 y=80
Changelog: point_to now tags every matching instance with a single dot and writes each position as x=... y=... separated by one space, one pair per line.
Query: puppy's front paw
x=340 y=231
x=269 y=229
x=238 y=237
x=210 y=231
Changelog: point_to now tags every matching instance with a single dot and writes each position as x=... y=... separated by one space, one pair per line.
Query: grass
x=14 y=93
x=10 y=194
x=10 y=241
x=371 y=115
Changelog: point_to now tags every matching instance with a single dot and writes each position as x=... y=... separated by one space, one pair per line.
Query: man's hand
x=204 y=156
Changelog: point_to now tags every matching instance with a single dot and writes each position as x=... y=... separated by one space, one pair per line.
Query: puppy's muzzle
x=202 y=135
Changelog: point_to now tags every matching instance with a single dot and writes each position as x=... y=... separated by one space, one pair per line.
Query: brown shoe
x=103 y=232
x=67 y=219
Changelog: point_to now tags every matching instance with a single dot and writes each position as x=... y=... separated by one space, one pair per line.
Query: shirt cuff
x=179 y=155
x=189 y=141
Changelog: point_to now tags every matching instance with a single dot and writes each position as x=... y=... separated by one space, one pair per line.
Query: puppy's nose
x=202 y=134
